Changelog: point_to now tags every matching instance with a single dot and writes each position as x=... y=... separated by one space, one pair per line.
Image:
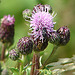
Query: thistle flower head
x=25 y=45
x=41 y=18
x=7 y=29
x=14 y=54
x=8 y=20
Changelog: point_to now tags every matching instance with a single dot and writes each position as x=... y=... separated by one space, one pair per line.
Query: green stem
x=21 y=68
x=51 y=55
x=22 y=65
x=33 y=65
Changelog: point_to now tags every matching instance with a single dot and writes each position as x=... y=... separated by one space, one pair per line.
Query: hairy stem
x=53 y=51
x=3 y=52
x=36 y=64
x=33 y=65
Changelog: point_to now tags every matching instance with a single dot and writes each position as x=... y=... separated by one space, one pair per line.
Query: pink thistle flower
x=7 y=29
x=41 y=18
x=8 y=20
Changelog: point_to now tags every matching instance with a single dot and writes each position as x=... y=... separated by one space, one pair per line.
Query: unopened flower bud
x=27 y=14
x=64 y=34
x=54 y=38
x=14 y=54
x=7 y=29
x=25 y=45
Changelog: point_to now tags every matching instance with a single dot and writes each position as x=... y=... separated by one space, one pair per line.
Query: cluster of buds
x=7 y=29
x=42 y=26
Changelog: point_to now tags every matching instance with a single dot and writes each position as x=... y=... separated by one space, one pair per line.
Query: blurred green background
x=65 y=10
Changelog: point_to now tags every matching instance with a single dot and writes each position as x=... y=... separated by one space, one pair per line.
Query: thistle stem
x=37 y=55
x=51 y=55
x=3 y=52
x=33 y=65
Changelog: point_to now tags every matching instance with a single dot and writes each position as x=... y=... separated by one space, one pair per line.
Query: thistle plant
x=42 y=31
x=6 y=32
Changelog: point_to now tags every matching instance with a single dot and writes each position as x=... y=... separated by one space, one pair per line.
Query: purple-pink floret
x=39 y=21
x=8 y=20
x=41 y=18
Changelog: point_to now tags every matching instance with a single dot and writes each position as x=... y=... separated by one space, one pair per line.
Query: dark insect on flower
x=25 y=45
x=14 y=54
x=64 y=34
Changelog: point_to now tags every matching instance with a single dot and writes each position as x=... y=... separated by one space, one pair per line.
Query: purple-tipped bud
x=25 y=45
x=14 y=54
x=7 y=29
x=64 y=34
x=27 y=14
x=54 y=38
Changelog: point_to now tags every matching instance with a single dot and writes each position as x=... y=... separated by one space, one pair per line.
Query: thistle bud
x=14 y=54
x=25 y=45
x=27 y=14
x=7 y=29
x=54 y=38
x=64 y=34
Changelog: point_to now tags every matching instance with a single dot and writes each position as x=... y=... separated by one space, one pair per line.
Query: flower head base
x=25 y=45
x=14 y=54
x=7 y=29
x=64 y=34
x=39 y=45
x=7 y=20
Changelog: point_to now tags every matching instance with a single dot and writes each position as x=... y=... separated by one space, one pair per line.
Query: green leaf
x=45 y=72
x=14 y=70
x=27 y=66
